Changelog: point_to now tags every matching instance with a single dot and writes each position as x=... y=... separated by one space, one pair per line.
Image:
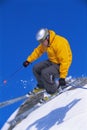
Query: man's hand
x=26 y=63
x=62 y=82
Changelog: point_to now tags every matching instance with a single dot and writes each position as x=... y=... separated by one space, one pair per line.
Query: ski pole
x=13 y=74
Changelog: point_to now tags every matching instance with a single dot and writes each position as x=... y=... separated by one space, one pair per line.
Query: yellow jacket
x=58 y=52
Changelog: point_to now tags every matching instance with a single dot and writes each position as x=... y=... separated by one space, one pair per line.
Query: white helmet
x=42 y=34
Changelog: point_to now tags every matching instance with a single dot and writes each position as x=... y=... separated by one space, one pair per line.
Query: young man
x=58 y=63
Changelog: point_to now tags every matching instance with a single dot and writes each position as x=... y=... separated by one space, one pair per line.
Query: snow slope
x=68 y=111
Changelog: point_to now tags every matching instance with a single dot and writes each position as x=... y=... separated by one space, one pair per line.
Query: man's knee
x=46 y=77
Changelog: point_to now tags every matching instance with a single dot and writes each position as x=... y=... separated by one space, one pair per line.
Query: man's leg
x=48 y=76
x=37 y=71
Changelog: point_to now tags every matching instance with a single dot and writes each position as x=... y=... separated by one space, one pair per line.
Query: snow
x=67 y=111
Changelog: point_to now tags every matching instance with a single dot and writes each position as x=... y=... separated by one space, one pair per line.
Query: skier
x=58 y=62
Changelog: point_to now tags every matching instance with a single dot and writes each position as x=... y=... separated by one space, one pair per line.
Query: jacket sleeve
x=63 y=55
x=36 y=53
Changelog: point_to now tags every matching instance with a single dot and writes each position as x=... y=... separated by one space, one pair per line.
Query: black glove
x=62 y=82
x=26 y=63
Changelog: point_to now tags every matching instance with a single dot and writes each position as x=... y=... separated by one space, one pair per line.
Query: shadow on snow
x=55 y=117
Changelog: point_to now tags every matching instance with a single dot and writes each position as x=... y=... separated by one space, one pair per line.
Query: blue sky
x=19 y=22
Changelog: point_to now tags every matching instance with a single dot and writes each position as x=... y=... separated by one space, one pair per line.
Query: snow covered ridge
x=67 y=111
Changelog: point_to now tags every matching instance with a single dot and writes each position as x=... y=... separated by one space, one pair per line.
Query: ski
x=48 y=97
x=11 y=101
x=74 y=83
x=25 y=97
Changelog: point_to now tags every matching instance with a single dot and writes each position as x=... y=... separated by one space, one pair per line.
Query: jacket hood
x=52 y=36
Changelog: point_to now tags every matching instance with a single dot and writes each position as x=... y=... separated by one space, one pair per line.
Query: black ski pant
x=45 y=73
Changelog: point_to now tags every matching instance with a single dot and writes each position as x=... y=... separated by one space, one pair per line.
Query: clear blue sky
x=19 y=22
